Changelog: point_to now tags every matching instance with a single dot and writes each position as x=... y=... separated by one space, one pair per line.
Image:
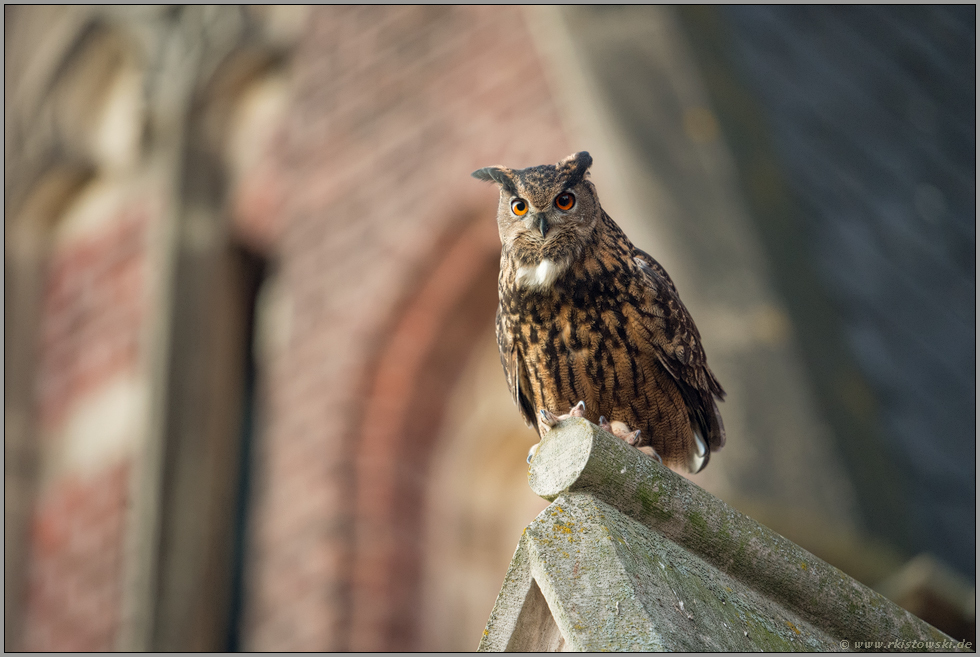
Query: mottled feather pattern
x=610 y=330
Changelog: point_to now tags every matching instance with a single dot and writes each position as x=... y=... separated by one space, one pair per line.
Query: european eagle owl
x=588 y=322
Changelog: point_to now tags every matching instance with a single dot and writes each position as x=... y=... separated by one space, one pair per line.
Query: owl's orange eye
x=519 y=206
x=565 y=201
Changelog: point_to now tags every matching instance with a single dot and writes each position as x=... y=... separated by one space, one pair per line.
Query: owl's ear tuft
x=577 y=165
x=580 y=160
x=497 y=175
x=484 y=174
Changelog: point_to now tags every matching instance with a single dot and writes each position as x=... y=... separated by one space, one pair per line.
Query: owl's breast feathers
x=611 y=330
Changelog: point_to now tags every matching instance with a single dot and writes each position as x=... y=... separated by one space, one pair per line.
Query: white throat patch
x=541 y=276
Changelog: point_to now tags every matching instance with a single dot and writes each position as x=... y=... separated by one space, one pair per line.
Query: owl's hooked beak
x=543 y=224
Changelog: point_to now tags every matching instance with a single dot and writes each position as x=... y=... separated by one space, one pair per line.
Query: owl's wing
x=516 y=372
x=677 y=345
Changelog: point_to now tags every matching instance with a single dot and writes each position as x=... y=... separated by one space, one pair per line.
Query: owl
x=590 y=323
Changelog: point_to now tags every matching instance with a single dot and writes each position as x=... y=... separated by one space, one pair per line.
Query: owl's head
x=546 y=212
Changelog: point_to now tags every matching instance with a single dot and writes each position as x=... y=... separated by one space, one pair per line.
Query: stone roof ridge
x=630 y=556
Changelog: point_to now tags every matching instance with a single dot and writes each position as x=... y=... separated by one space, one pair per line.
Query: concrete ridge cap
x=577 y=456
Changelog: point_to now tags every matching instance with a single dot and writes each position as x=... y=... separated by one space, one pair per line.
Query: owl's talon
x=649 y=451
x=621 y=430
x=548 y=418
x=531 y=452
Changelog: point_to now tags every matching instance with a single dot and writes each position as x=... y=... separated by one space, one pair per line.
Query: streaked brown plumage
x=585 y=315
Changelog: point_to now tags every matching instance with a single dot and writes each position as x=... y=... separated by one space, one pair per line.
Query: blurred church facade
x=252 y=395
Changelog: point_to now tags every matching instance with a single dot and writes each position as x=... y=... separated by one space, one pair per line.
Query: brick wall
x=352 y=179
x=88 y=402
x=388 y=240
x=76 y=564
x=92 y=308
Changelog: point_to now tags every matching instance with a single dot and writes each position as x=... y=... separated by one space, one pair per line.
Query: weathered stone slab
x=630 y=556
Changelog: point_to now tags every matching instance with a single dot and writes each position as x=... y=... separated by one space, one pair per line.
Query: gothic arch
x=417 y=366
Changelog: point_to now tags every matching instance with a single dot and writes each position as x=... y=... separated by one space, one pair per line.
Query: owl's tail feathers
x=698 y=457
x=716 y=431
x=708 y=432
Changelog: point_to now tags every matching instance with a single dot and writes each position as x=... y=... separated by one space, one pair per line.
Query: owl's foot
x=652 y=453
x=622 y=431
x=549 y=419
